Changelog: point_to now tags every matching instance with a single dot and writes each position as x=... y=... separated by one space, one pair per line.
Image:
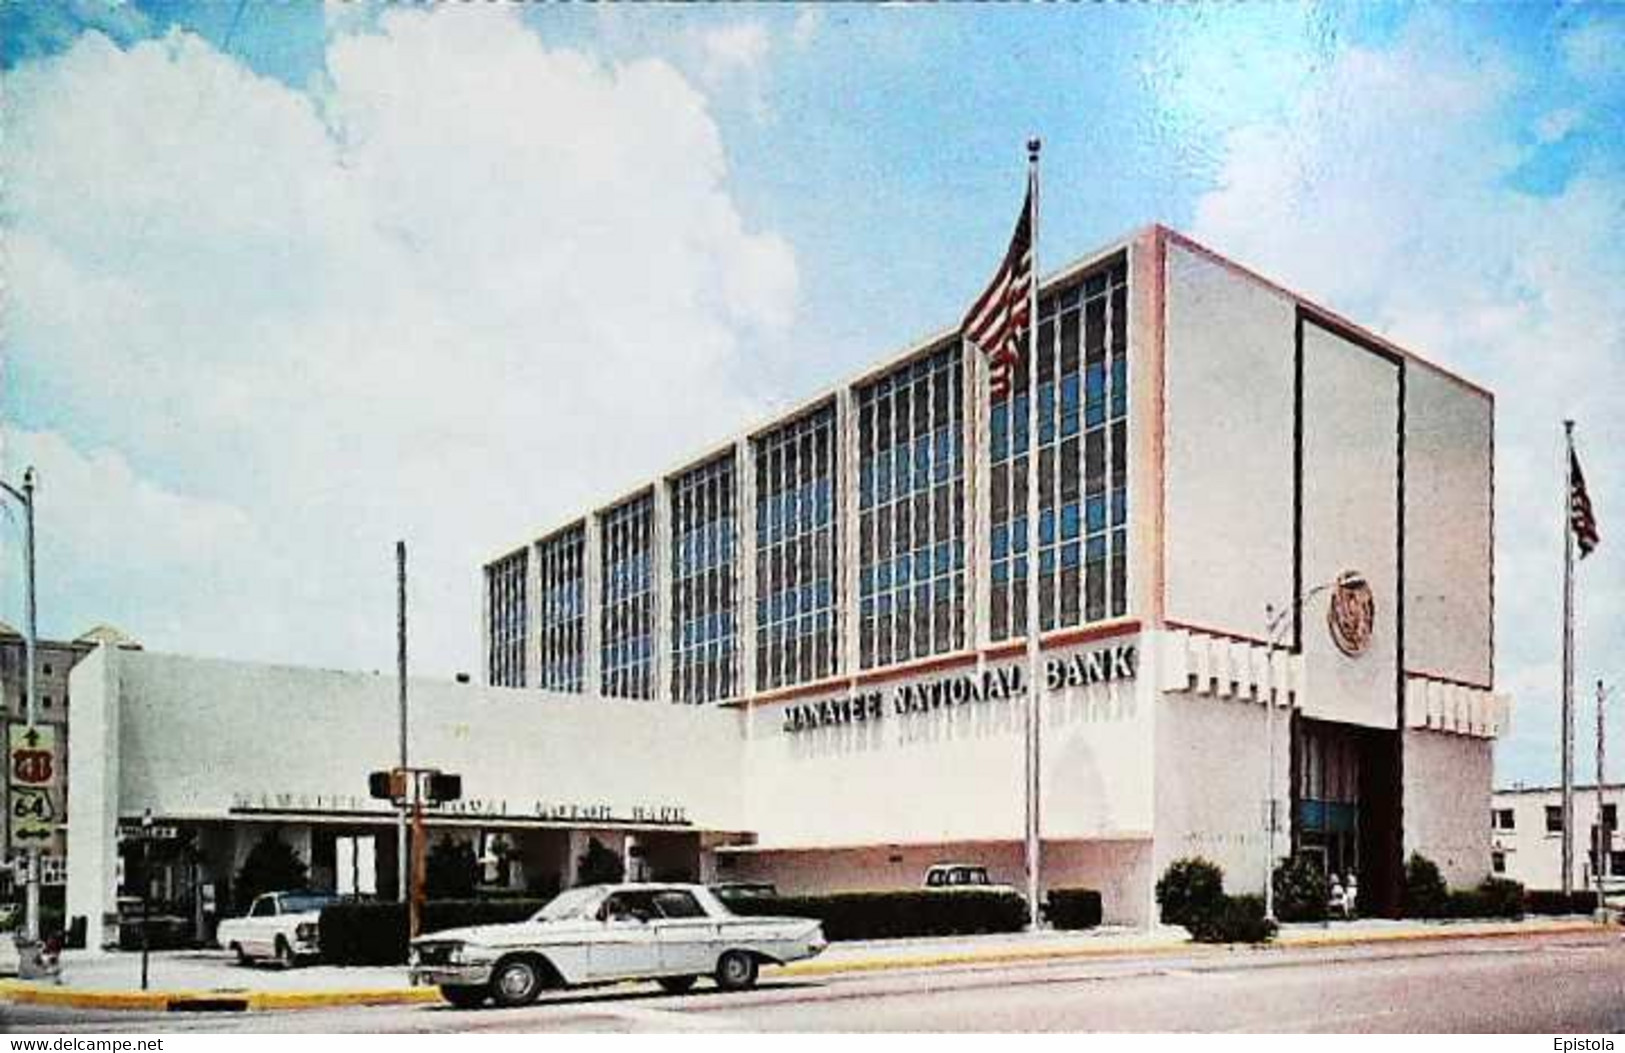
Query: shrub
x=1236 y=919
x=450 y=870
x=1190 y=888
x=888 y=915
x=375 y=933
x=1503 y=897
x=1425 y=892
x=1073 y=908
x=271 y=866
x=1551 y=901
x=1301 y=890
x=599 y=865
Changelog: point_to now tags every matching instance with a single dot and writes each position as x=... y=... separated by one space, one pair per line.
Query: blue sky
x=291 y=280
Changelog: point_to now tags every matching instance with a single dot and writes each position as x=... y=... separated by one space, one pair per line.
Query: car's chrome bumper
x=472 y=975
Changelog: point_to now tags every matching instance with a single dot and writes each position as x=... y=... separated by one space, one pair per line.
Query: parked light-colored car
x=279 y=925
x=957 y=876
x=606 y=933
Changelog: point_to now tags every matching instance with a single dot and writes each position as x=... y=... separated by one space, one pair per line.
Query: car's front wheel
x=736 y=971
x=677 y=984
x=463 y=996
x=284 y=954
x=516 y=982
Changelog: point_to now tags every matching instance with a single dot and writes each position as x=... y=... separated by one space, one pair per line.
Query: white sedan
x=606 y=933
x=280 y=925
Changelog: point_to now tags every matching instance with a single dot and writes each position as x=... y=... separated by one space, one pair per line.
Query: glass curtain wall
x=1082 y=390
x=563 y=580
x=703 y=618
x=506 y=612
x=911 y=518
x=628 y=610
x=796 y=586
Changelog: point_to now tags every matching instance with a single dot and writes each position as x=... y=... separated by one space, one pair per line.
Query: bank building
x=798 y=656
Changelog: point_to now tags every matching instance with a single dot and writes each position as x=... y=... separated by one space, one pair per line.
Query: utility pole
x=1604 y=839
x=402 y=885
x=25 y=497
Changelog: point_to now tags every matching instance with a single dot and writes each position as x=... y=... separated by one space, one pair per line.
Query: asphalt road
x=1571 y=984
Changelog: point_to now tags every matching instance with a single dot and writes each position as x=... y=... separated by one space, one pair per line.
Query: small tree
x=271 y=866
x=1425 y=893
x=1190 y=888
x=450 y=870
x=1300 y=889
x=598 y=865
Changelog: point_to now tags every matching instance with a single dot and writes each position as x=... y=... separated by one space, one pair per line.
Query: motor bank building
x=798 y=656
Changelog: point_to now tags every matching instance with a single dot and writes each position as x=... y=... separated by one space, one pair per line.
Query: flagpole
x=1604 y=840
x=1034 y=847
x=1568 y=660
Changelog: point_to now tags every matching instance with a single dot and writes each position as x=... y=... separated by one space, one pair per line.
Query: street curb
x=1290 y=942
x=20 y=992
x=23 y=992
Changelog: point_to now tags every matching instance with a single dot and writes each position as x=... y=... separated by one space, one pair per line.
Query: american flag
x=1581 y=520
x=998 y=321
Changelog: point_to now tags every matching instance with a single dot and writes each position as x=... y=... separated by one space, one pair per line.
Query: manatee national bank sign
x=992 y=684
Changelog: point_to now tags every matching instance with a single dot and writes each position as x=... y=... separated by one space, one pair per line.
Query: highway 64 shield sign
x=32 y=816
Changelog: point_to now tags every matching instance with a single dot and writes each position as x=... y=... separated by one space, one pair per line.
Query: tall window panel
x=506 y=617
x=796 y=585
x=628 y=610
x=563 y=607
x=911 y=512
x=1082 y=444
x=703 y=618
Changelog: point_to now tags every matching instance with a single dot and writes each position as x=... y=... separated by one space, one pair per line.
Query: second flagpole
x=1034 y=712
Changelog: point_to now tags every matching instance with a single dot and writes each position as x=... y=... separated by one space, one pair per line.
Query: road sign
x=33 y=819
x=134 y=832
x=32 y=755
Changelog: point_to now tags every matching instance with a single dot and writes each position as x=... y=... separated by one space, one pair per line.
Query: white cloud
x=738 y=48
x=1383 y=193
x=1558 y=124
x=450 y=300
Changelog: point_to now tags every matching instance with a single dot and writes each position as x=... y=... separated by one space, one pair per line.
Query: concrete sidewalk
x=185 y=980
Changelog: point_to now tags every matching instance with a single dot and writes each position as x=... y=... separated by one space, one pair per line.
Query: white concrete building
x=1526 y=827
x=839 y=595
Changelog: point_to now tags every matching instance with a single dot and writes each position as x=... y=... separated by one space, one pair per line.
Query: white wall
x=197 y=732
x=1534 y=856
x=1350 y=522
x=1211 y=759
x=1229 y=446
x=1449 y=542
x=93 y=778
x=1447 y=803
x=953 y=774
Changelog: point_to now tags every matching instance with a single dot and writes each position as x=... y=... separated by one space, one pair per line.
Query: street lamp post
x=1276 y=621
x=25 y=497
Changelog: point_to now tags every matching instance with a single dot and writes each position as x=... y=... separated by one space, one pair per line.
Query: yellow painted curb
x=168 y=1001
x=19 y=991
x=1290 y=942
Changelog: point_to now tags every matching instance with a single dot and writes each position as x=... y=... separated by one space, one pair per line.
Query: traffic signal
x=387 y=785
x=444 y=787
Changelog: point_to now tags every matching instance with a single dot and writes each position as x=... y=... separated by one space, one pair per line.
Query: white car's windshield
x=576 y=903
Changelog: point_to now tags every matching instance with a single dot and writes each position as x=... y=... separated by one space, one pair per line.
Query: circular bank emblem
x=1352 y=613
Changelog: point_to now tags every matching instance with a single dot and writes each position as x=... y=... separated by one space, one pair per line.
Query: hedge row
x=375 y=933
x=1073 y=908
x=1551 y=901
x=1234 y=919
x=886 y=915
x=1495 y=898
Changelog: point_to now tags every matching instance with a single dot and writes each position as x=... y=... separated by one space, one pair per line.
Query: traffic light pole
x=401 y=839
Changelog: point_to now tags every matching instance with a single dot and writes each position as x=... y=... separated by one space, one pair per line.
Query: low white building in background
x=1526 y=827
x=836 y=600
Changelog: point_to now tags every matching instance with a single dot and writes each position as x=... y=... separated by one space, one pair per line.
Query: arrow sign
x=33 y=755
